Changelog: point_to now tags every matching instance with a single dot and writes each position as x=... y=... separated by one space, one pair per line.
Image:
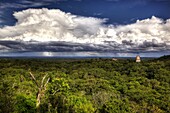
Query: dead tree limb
x=41 y=89
x=34 y=79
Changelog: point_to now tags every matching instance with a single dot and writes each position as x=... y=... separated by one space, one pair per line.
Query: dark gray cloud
x=75 y=47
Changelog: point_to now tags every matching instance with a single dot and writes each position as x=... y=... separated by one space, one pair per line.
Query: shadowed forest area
x=84 y=86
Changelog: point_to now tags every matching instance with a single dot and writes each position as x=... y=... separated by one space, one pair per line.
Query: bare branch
x=46 y=83
x=55 y=92
x=42 y=82
x=34 y=79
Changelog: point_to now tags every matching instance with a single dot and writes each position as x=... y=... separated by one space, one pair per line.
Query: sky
x=83 y=28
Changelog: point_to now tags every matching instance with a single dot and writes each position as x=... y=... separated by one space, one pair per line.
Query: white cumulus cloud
x=53 y=29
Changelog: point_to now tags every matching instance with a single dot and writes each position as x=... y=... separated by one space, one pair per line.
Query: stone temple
x=138 y=58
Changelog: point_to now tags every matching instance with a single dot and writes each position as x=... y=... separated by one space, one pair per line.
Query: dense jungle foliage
x=84 y=86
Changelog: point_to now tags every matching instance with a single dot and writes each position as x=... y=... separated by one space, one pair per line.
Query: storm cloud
x=56 y=31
